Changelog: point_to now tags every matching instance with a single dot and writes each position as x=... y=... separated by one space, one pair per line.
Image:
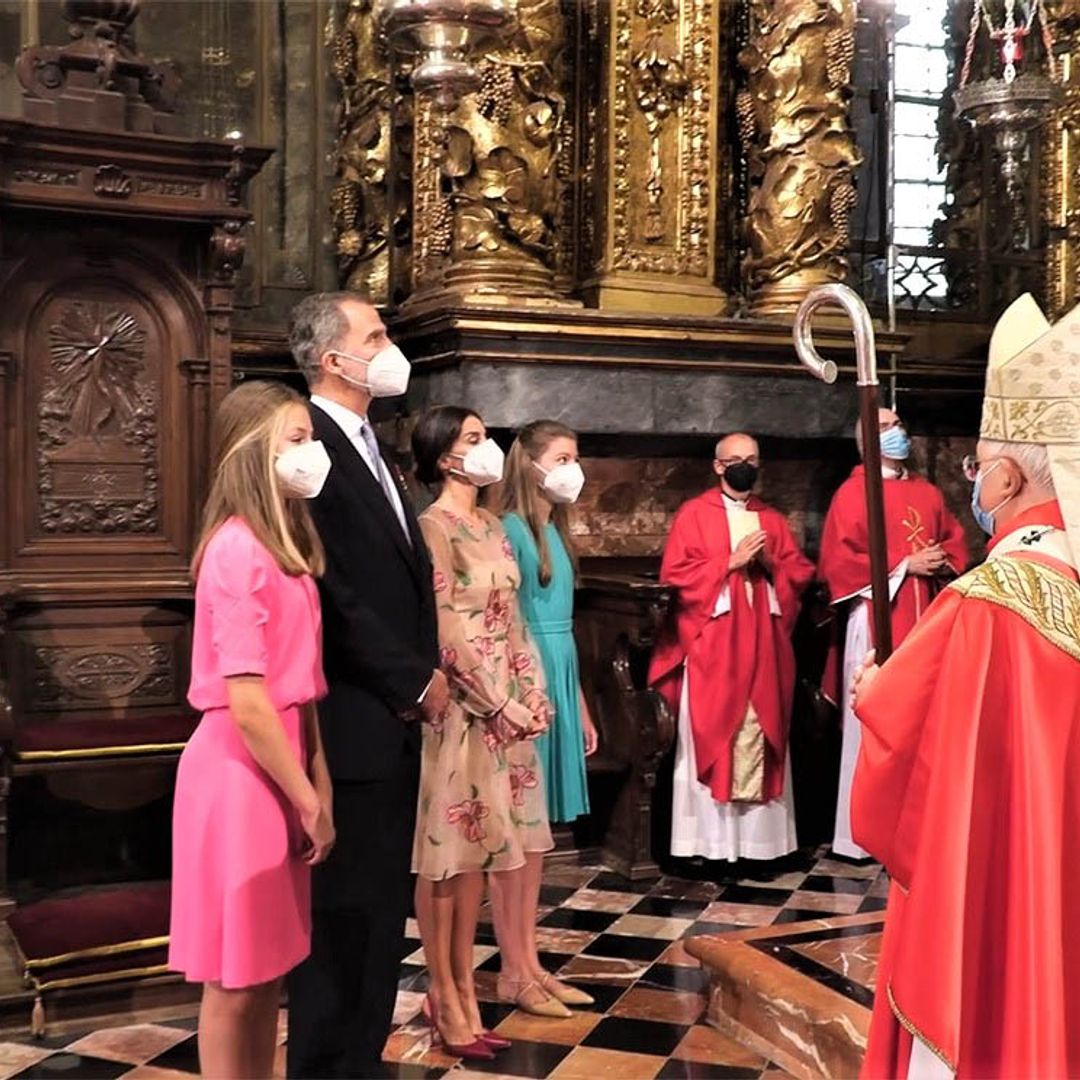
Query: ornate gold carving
x=660 y=159
x=66 y=676
x=497 y=158
x=97 y=427
x=1061 y=192
x=359 y=203
x=659 y=80
x=1042 y=597
x=431 y=215
x=466 y=193
x=799 y=146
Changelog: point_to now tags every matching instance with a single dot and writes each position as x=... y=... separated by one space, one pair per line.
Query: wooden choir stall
x=119 y=245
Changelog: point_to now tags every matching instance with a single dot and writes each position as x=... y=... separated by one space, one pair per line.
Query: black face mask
x=741 y=476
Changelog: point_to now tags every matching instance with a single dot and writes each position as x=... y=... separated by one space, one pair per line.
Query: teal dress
x=548 y=611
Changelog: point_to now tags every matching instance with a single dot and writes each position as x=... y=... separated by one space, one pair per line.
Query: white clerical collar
x=349 y=421
x=734 y=504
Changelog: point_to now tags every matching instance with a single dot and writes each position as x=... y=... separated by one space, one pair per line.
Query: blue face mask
x=984 y=518
x=895 y=444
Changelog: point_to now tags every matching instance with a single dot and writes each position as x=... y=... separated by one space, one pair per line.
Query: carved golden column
x=483 y=146
x=1061 y=163
x=360 y=202
x=793 y=119
x=661 y=167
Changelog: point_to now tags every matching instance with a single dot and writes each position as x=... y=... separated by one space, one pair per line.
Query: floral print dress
x=482 y=804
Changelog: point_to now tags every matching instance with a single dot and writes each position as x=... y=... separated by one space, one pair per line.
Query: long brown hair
x=247 y=428
x=521 y=492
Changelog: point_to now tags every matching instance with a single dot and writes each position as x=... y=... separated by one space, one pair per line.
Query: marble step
x=799 y=994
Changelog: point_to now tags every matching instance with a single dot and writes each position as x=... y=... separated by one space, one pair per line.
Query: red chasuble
x=737 y=659
x=968 y=790
x=915 y=516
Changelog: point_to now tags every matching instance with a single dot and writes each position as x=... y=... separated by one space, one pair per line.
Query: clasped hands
x=438 y=697
x=748 y=549
x=929 y=561
x=503 y=730
x=540 y=707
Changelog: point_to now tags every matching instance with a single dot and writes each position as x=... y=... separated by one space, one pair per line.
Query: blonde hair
x=521 y=493
x=247 y=429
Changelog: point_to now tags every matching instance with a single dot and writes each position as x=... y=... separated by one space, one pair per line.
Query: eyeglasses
x=727 y=461
x=971 y=466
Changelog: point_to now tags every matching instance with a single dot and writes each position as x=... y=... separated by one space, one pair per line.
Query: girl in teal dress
x=542 y=478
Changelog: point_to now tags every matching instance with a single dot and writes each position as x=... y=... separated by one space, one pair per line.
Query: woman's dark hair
x=436 y=431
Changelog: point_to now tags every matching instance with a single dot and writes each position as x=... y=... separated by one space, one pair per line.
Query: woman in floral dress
x=478 y=811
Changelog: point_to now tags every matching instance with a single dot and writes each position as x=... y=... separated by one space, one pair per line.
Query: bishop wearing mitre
x=967 y=786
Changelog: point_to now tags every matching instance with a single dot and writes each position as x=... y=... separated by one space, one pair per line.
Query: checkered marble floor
x=621 y=940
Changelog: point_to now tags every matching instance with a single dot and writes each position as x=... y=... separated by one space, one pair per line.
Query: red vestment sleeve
x=953 y=540
x=892 y=713
x=697 y=574
x=966 y=790
x=844 y=562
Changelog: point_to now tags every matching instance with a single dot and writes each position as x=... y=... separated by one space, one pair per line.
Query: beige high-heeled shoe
x=550 y=1007
x=568 y=995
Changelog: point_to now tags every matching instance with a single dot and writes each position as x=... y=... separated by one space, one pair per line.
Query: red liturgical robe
x=915 y=517
x=742 y=658
x=967 y=790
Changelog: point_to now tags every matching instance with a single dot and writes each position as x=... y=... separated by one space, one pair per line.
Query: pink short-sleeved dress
x=241 y=907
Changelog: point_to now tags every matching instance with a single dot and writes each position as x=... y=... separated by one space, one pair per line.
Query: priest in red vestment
x=726 y=667
x=968 y=781
x=926 y=546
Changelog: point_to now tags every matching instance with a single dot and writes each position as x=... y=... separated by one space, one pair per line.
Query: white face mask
x=563 y=483
x=483 y=464
x=387 y=372
x=303 y=469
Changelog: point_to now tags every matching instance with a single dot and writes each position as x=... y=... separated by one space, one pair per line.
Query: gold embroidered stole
x=1044 y=598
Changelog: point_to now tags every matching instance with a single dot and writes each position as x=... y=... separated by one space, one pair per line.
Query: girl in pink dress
x=253 y=803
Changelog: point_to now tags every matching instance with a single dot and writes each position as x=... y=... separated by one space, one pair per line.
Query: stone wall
x=635 y=484
x=628 y=503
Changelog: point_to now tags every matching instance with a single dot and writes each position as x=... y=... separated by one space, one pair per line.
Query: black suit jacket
x=380 y=633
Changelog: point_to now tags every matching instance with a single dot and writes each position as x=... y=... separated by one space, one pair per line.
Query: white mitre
x=1033 y=395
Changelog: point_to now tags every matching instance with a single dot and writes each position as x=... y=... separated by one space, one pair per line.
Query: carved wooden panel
x=103 y=412
x=96 y=661
x=107 y=673
x=97 y=437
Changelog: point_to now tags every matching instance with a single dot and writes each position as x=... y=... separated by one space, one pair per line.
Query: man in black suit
x=380 y=651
